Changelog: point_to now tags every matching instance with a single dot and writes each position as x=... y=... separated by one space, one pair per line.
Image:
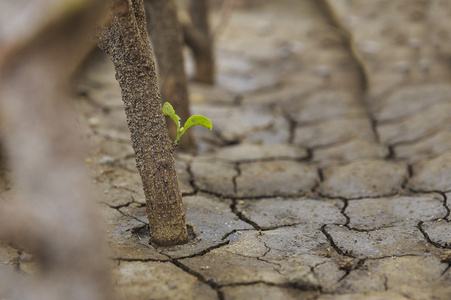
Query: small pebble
x=94 y=122
x=106 y=160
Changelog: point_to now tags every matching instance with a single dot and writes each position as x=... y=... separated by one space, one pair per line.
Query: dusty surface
x=327 y=174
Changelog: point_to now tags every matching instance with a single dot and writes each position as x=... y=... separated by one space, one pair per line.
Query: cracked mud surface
x=327 y=174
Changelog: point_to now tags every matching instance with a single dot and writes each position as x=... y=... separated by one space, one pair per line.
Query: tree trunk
x=166 y=36
x=198 y=37
x=128 y=44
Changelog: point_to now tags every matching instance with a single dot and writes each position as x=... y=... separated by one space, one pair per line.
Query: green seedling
x=168 y=110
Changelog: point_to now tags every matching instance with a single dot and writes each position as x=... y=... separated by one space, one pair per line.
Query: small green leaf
x=197 y=120
x=168 y=110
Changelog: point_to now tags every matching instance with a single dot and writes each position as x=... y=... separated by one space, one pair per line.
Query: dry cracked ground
x=327 y=174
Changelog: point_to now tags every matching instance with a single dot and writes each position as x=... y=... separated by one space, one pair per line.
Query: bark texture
x=166 y=36
x=198 y=37
x=128 y=44
x=52 y=213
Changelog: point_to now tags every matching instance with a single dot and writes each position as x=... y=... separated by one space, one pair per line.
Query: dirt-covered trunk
x=128 y=44
x=198 y=37
x=166 y=36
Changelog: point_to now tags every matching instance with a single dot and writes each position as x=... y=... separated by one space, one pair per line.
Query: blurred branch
x=54 y=216
x=197 y=36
